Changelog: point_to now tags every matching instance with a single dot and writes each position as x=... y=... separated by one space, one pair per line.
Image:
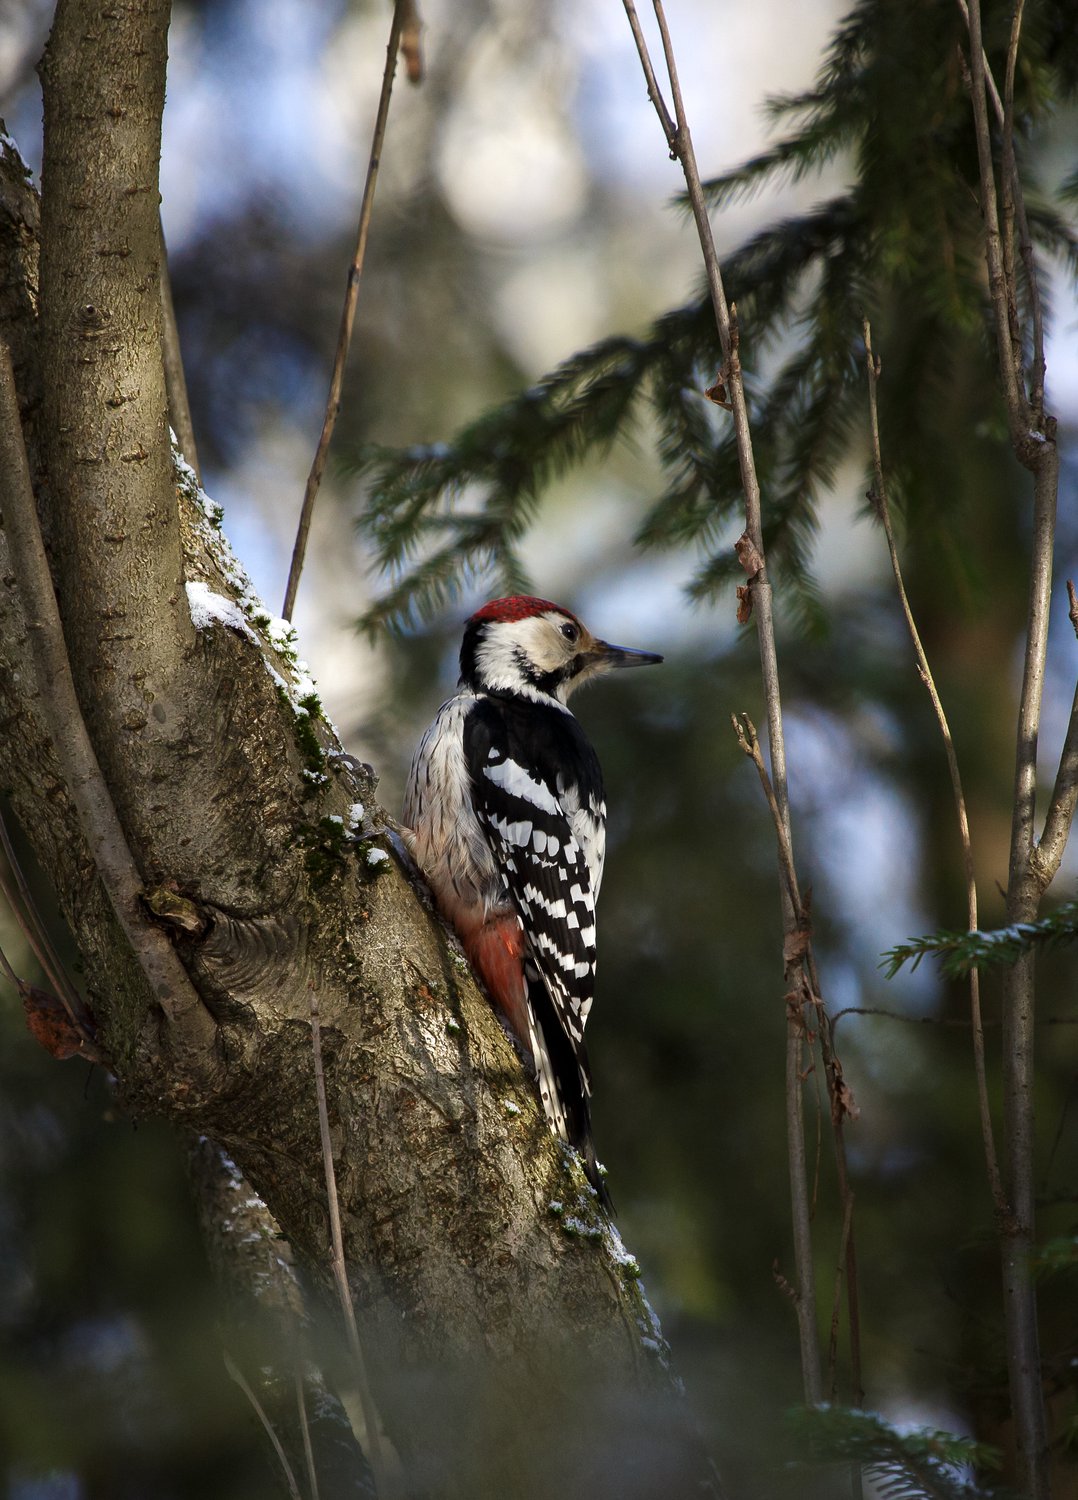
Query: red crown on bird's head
x=516 y=607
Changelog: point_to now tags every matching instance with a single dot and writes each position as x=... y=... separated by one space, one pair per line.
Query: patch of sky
x=251 y=75
x=865 y=841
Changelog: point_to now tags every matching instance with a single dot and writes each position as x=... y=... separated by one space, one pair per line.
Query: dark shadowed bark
x=483 y=1275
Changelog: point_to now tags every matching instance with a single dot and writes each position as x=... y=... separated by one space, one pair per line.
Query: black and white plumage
x=508 y=823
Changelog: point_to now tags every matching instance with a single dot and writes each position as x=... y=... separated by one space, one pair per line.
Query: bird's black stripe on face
x=549 y=682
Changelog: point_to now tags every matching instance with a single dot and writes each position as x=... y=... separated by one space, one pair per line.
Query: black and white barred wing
x=538 y=797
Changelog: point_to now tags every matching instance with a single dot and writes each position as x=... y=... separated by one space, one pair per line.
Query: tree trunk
x=507 y=1332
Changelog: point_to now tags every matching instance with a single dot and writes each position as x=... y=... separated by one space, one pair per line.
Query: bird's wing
x=537 y=793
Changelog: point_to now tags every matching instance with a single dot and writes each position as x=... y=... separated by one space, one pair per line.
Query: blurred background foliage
x=524 y=218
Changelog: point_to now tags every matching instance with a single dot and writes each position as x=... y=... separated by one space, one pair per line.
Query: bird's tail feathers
x=564 y=1079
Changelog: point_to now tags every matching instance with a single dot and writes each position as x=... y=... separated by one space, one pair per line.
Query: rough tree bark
x=482 y=1274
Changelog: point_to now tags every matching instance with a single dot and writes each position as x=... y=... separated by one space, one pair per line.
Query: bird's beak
x=607 y=655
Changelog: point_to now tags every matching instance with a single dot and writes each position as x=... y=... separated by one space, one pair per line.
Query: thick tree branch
x=193 y=1027
x=110 y=506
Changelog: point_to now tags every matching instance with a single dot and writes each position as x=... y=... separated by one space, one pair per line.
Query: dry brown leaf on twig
x=748 y=556
x=49 y=1023
x=411 y=48
x=718 y=393
x=844 y=1104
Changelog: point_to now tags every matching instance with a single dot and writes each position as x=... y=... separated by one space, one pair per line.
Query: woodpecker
x=506 y=819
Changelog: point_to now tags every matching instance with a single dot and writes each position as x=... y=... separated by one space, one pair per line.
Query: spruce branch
x=920 y=1464
x=960 y=953
x=440 y=515
x=894 y=242
x=501 y=463
x=1059 y=1254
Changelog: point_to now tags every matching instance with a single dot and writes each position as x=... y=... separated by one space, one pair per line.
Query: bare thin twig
x=62 y=995
x=1008 y=178
x=1024 y=892
x=805 y=998
x=168 y=981
x=375 y=1448
x=1009 y=361
x=749 y=742
x=897 y=1015
x=179 y=407
x=305 y=1430
x=9 y=973
x=1046 y=857
x=679 y=140
x=883 y=510
x=403 y=10
x=655 y=93
x=836 y=1299
x=21 y=902
x=236 y=1375
x=1025 y=239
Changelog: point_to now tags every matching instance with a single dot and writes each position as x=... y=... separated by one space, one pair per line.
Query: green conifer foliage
x=900 y=242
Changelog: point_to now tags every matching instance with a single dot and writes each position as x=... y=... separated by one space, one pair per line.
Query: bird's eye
x=569 y=631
